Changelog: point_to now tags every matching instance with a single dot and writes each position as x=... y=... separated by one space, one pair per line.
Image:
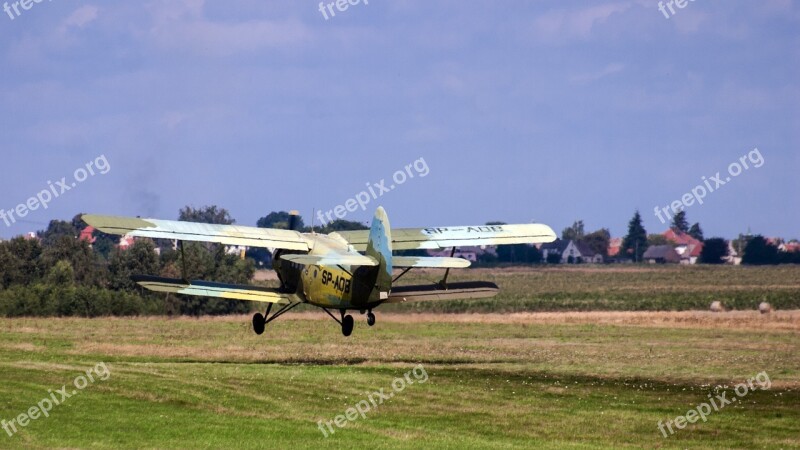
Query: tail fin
x=380 y=248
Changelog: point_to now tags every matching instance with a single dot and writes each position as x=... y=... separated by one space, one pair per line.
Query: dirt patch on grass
x=24 y=346
x=778 y=320
x=746 y=320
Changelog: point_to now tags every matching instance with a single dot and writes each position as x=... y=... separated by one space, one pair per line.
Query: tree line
x=754 y=250
x=59 y=274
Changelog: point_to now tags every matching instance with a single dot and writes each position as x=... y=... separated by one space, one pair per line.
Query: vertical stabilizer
x=380 y=248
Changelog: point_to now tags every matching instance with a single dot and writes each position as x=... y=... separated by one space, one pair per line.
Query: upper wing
x=441 y=237
x=190 y=231
x=431 y=262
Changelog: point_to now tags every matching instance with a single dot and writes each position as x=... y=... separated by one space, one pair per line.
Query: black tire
x=370 y=319
x=347 y=325
x=259 y=323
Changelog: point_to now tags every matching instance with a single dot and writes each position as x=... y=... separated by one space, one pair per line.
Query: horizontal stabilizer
x=454 y=291
x=432 y=262
x=211 y=289
x=342 y=259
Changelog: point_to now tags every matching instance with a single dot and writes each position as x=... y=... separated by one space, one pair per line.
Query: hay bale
x=764 y=308
x=717 y=306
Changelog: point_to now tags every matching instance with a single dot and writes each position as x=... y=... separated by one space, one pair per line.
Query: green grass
x=619 y=288
x=211 y=383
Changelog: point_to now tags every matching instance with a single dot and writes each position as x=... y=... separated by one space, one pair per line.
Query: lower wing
x=211 y=289
x=453 y=291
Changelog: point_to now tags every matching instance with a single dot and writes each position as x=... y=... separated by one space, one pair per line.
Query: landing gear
x=259 y=323
x=370 y=319
x=346 y=321
x=347 y=325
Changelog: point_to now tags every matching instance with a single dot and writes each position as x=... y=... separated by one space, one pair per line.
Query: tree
x=573 y=233
x=87 y=267
x=714 y=250
x=553 y=258
x=598 y=241
x=518 y=254
x=20 y=262
x=61 y=274
x=278 y=219
x=657 y=239
x=759 y=252
x=789 y=257
x=679 y=222
x=104 y=243
x=56 y=229
x=206 y=214
x=635 y=242
x=696 y=232
x=139 y=259
x=342 y=225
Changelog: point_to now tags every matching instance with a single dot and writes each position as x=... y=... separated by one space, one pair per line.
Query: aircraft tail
x=379 y=247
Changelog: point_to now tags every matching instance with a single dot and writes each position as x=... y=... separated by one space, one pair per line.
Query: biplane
x=340 y=271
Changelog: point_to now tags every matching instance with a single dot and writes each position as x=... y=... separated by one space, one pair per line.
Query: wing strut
x=443 y=282
x=260 y=322
x=183 y=260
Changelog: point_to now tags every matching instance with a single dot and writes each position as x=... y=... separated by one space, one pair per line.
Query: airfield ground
x=534 y=379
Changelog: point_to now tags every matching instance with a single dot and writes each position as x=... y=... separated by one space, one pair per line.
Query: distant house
x=686 y=246
x=588 y=255
x=733 y=256
x=566 y=249
x=470 y=253
x=238 y=250
x=661 y=254
x=86 y=235
x=613 y=247
x=125 y=242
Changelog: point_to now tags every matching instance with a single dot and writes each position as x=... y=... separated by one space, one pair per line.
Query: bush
x=58 y=300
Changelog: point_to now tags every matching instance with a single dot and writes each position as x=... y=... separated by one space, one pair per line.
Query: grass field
x=618 y=351
x=619 y=288
x=551 y=380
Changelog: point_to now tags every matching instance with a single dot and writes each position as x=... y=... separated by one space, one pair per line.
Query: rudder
x=379 y=247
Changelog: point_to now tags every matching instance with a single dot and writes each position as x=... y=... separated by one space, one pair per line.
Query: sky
x=514 y=111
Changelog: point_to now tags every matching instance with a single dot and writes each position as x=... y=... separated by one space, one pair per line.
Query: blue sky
x=545 y=111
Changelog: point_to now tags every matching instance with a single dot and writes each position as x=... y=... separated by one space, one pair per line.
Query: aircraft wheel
x=370 y=319
x=347 y=325
x=259 y=323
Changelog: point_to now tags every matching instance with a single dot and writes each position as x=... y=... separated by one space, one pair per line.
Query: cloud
x=182 y=25
x=80 y=17
x=588 y=77
x=578 y=23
